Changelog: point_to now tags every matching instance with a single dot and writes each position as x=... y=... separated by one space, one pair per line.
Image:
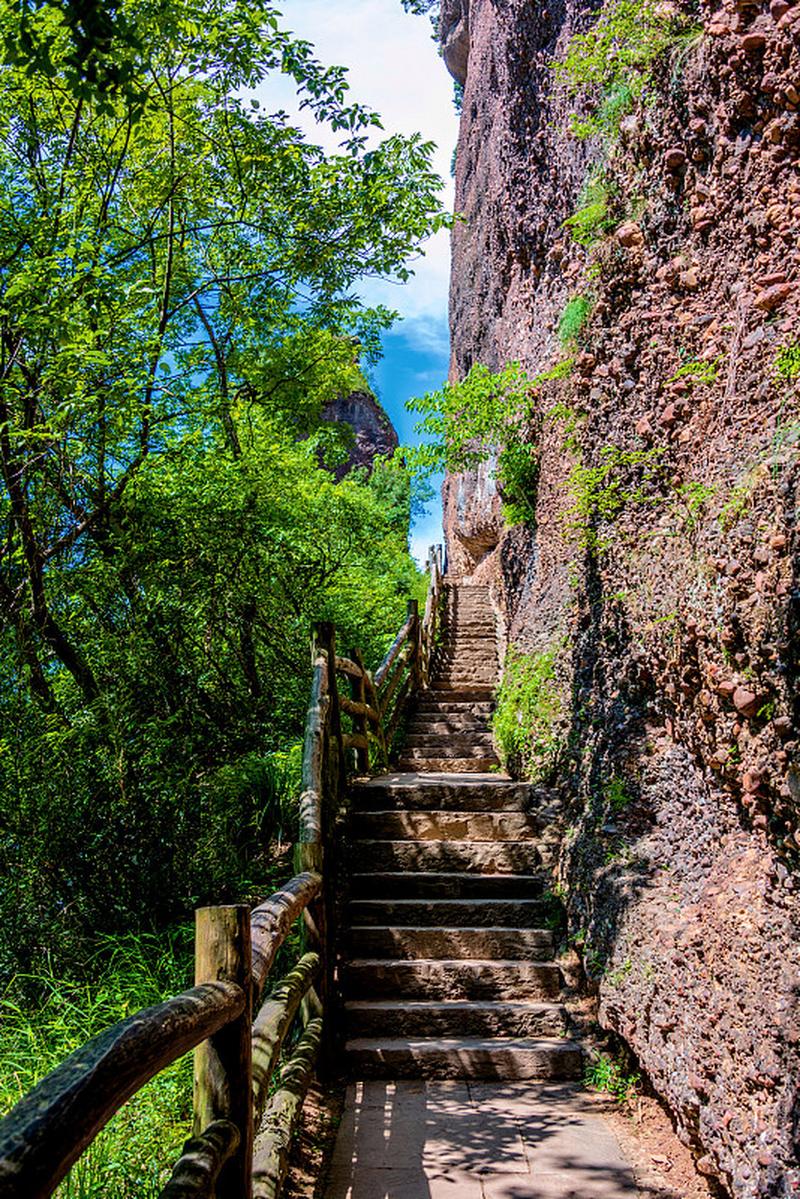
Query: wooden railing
x=248 y=1088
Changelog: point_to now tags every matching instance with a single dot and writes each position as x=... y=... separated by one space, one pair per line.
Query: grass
x=133 y=1156
x=528 y=708
x=610 y=1075
x=573 y=319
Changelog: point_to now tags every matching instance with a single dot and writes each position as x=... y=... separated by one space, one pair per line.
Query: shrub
x=528 y=708
x=573 y=319
x=487 y=415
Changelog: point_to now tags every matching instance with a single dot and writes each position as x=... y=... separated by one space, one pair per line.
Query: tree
x=177 y=303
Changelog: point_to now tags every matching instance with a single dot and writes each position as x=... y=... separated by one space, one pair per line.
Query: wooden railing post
x=358 y=692
x=223 y=1068
x=414 y=639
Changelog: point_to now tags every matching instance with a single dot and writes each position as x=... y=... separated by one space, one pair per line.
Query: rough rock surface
x=374 y=433
x=678 y=619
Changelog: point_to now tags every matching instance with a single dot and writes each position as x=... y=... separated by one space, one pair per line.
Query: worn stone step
x=464 y=695
x=463 y=1057
x=442 y=709
x=454 y=741
x=450 y=913
x=452 y=884
x=448 y=793
x=450 y=978
x=393 y=825
x=487 y=857
x=450 y=765
x=458 y=725
x=481 y=1018
x=411 y=753
x=504 y=944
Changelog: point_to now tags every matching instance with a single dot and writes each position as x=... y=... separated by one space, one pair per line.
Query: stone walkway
x=475 y=1140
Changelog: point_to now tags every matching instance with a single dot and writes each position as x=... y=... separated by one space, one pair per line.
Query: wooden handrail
x=236 y=1057
x=270 y=923
x=398 y=643
x=49 y=1129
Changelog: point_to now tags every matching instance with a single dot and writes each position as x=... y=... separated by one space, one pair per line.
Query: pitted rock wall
x=677 y=622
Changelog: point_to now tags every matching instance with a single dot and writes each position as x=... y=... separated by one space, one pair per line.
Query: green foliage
x=592 y=220
x=573 y=319
x=526 y=715
x=601 y=492
x=615 y=792
x=787 y=362
x=698 y=371
x=610 y=67
x=486 y=416
x=691 y=499
x=128 y=1159
x=611 y=1076
x=178 y=277
x=738 y=501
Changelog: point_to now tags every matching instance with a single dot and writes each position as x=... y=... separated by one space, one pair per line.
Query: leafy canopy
x=178 y=303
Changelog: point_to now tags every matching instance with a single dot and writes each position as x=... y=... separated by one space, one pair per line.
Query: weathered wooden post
x=414 y=638
x=358 y=693
x=223 y=1066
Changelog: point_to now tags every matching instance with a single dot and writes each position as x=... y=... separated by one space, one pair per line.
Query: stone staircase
x=448 y=967
x=450 y=729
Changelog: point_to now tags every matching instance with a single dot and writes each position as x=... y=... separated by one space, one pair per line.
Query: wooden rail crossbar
x=243 y=1127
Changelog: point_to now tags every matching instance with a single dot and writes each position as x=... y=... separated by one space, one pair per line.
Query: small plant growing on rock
x=612 y=1076
x=611 y=66
x=525 y=720
x=573 y=319
x=787 y=363
x=592 y=219
x=601 y=492
x=616 y=794
x=698 y=371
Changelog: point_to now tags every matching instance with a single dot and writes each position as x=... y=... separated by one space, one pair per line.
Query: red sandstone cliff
x=679 y=637
x=374 y=434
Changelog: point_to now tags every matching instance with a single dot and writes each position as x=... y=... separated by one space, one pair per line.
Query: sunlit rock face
x=373 y=431
x=454 y=31
x=677 y=621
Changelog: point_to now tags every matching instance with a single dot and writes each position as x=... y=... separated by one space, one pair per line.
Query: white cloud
x=394 y=67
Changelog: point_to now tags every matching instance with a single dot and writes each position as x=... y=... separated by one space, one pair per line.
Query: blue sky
x=394 y=68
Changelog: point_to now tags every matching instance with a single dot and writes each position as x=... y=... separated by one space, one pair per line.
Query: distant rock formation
x=375 y=434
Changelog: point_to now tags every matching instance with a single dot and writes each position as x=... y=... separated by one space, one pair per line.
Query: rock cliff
x=373 y=433
x=675 y=612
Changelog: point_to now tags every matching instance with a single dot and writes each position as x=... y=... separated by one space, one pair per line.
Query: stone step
x=466 y=695
x=449 y=978
x=463 y=1057
x=470 y=794
x=451 y=885
x=459 y=724
x=473 y=913
x=457 y=742
x=482 y=1018
x=393 y=825
x=486 y=944
x=450 y=765
x=461 y=692
x=441 y=749
x=486 y=857
x=452 y=709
